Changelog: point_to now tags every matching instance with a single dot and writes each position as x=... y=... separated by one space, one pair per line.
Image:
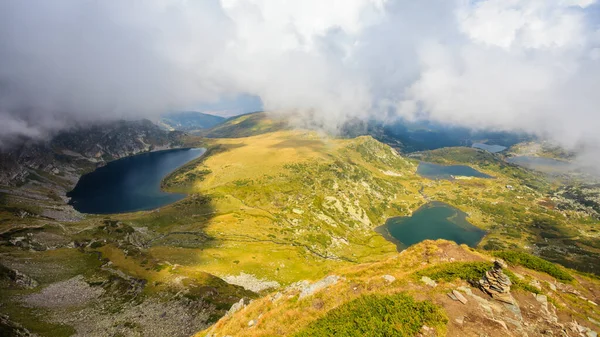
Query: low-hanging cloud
x=527 y=65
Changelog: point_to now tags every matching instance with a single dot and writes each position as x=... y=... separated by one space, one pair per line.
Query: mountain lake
x=130 y=184
x=448 y=172
x=542 y=164
x=489 y=148
x=432 y=221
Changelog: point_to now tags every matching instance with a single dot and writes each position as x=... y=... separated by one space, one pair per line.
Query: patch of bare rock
x=69 y=293
x=251 y=282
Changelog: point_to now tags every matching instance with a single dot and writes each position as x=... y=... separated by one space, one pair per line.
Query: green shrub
x=377 y=316
x=96 y=244
x=494 y=244
x=456 y=270
x=534 y=263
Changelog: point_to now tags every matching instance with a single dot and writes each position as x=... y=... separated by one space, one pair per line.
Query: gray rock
x=389 y=278
x=19 y=278
x=502 y=323
x=11 y=328
x=466 y=290
x=582 y=330
x=319 y=285
x=251 y=323
x=459 y=297
x=251 y=282
x=236 y=307
x=428 y=281
x=541 y=298
x=276 y=297
x=536 y=283
x=72 y=292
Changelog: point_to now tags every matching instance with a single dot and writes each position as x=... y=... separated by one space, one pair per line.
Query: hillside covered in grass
x=269 y=207
x=246 y=125
x=285 y=198
x=407 y=295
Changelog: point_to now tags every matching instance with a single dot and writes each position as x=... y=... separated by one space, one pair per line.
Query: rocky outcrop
x=69 y=293
x=388 y=278
x=307 y=289
x=496 y=284
x=236 y=307
x=70 y=152
x=429 y=281
x=10 y=328
x=17 y=278
x=251 y=282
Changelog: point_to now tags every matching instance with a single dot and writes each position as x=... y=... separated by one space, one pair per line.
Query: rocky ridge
x=70 y=152
x=492 y=305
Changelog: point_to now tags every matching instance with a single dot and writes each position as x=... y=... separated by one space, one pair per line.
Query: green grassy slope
x=246 y=125
x=389 y=298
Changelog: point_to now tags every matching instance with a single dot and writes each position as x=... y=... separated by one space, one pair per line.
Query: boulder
x=459 y=296
x=319 y=285
x=428 y=281
x=389 y=278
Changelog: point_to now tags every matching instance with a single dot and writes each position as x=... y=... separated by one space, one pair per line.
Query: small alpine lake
x=130 y=184
x=542 y=164
x=432 y=221
x=435 y=171
x=489 y=148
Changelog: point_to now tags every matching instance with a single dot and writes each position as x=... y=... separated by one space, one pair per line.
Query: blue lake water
x=130 y=184
x=547 y=165
x=489 y=148
x=435 y=171
x=432 y=221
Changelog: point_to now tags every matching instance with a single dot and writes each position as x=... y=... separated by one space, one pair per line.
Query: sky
x=230 y=106
x=523 y=65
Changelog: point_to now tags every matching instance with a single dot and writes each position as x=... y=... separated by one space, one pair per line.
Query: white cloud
x=525 y=65
x=524 y=23
x=505 y=64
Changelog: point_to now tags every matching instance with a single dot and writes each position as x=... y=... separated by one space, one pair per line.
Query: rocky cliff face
x=78 y=150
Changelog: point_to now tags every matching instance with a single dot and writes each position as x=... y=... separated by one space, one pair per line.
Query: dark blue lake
x=435 y=171
x=432 y=221
x=130 y=184
x=489 y=148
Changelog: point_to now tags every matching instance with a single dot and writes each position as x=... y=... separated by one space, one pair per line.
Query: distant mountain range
x=413 y=136
x=190 y=121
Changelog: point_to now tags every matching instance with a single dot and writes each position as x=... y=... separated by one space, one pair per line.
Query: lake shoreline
x=383 y=231
x=444 y=221
x=132 y=183
x=435 y=171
